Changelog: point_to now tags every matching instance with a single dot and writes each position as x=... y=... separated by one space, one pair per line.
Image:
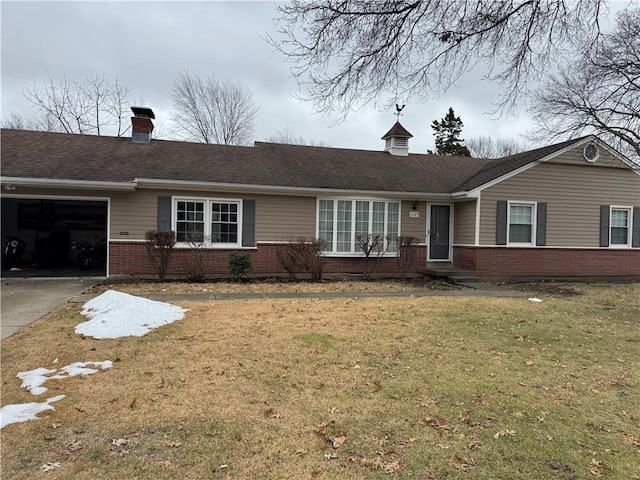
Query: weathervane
x=398 y=110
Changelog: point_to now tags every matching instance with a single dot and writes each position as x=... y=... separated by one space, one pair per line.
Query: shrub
x=407 y=252
x=159 y=247
x=196 y=256
x=239 y=263
x=303 y=255
x=370 y=244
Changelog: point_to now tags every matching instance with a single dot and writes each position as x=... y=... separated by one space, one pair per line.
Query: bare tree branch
x=213 y=111
x=79 y=107
x=599 y=93
x=349 y=53
x=489 y=147
x=288 y=137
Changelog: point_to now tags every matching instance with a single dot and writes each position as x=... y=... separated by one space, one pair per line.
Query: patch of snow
x=534 y=299
x=24 y=412
x=32 y=380
x=80 y=368
x=115 y=314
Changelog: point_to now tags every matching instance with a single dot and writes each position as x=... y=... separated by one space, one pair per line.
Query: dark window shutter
x=604 y=225
x=164 y=213
x=501 y=222
x=635 y=235
x=541 y=224
x=248 y=223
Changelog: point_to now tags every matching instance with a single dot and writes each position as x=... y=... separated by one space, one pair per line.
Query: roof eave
x=8 y=182
x=473 y=192
x=465 y=194
x=612 y=151
x=277 y=190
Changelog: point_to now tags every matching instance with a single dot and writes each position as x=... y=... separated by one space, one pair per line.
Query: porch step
x=449 y=273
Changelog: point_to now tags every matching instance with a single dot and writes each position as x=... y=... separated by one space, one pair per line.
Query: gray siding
x=133 y=213
x=413 y=227
x=575 y=157
x=573 y=194
x=283 y=218
x=278 y=218
x=464 y=223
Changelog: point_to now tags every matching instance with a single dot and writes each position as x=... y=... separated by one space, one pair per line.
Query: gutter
x=456 y=195
x=9 y=183
x=277 y=190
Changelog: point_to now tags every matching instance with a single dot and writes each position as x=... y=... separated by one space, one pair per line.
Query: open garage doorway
x=54 y=237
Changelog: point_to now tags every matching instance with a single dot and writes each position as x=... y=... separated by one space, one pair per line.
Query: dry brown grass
x=269 y=286
x=345 y=388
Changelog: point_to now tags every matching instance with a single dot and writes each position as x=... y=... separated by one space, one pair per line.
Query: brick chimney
x=141 y=123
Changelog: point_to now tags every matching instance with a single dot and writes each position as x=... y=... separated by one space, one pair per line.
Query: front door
x=439 y=232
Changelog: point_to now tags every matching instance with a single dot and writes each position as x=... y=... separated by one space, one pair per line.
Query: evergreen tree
x=447 y=132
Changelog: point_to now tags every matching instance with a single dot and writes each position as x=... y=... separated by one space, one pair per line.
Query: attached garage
x=52 y=233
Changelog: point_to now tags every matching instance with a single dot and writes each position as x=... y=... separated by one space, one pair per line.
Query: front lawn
x=356 y=388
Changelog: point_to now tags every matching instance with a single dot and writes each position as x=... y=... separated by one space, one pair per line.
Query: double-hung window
x=521 y=223
x=214 y=222
x=346 y=225
x=619 y=231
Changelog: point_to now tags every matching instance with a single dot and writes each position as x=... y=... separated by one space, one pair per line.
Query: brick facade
x=130 y=258
x=548 y=262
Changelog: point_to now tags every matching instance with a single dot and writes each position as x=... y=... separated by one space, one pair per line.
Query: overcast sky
x=148 y=43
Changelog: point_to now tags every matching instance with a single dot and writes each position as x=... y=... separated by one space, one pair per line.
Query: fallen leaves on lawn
x=440 y=423
x=461 y=463
x=633 y=441
x=474 y=443
x=337 y=442
x=596 y=468
x=50 y=466
x=118 y=447
x=73 y=447
x=504 y=433
x=387 y=461
x=428 y=402
x=465 y=417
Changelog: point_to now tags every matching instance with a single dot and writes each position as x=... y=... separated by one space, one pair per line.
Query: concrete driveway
x=25 y=300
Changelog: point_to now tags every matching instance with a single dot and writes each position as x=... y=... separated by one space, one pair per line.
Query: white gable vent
x=591 y=152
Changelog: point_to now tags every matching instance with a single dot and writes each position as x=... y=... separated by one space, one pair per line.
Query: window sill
x=210 y=246
x=358 y=255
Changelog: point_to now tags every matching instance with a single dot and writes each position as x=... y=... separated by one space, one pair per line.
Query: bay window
x=343 y=224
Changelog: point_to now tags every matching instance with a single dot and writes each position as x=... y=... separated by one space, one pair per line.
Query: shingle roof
x=397 y=131
x=46 y=155
x=83 y=157
x=501 y=166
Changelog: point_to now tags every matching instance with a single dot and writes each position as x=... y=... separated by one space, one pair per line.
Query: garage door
x=48 y=237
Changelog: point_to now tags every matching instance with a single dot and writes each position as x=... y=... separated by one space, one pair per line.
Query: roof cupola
x=396 y=140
